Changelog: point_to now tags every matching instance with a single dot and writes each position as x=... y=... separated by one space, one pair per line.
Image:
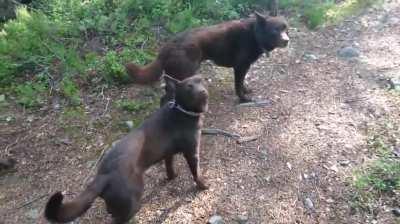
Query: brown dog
x=174 y=128
x=235 y=44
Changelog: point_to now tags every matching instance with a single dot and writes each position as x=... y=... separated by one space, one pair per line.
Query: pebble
x=129 y=124
x=215 y=219
x=396 y=152
x=242 y=219
x=310 y=57
x=344 y=162
x=348 y=52
x=308 y=204
x=289 y=166
x=33 y=214
x=396 y=212
x=394 y=83
x=334 y=168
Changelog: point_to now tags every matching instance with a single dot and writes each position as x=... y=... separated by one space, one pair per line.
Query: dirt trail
x=310 y=140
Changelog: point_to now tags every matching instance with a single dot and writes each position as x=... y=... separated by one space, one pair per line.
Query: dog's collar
x=173 y=104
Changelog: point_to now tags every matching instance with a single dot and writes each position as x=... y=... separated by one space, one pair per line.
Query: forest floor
x=308 y=143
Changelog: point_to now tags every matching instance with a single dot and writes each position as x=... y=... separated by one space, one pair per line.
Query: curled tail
x=57 y=211
x=145 y=75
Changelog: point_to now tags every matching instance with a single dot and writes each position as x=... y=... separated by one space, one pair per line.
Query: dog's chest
x=185 y=140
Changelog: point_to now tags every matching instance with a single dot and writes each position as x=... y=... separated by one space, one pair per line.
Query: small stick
x=262 y=103
x=105 y=110
x=216 y=131
x=247 y=139
x=95 y=165
x=13 y=210
x=31 y=201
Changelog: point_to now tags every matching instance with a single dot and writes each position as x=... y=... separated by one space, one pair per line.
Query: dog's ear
x=171 y=82
x=259 y=17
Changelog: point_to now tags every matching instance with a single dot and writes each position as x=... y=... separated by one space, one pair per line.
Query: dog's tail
x=147 y=74
x=57 y=211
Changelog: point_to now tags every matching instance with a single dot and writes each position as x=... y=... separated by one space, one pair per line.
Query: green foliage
x=70 y=91
x=54 y=40
x=30 y=94
x=319 y=12
x=133 y=105
x=183 y=20
x=140 y=108
x=380 y=176
x=338 y=12
x=113 y=69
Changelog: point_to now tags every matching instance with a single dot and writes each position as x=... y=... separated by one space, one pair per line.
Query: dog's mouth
x=283 y=44
x=202 y=102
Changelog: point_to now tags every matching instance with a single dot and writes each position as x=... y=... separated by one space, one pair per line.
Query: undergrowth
x=321 y=12
x=380 y=177
x=51 y=44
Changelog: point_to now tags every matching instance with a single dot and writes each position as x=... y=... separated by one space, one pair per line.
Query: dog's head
x=190 y=93
x=271 y=32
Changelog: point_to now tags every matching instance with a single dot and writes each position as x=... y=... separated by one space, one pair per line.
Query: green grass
x=316 y=13
x=138 y=109
x=31 y=94
x=379 y=178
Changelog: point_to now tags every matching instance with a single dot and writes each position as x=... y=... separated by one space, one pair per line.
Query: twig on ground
x=102 y=93
x=13 y=210
x=247 y=139
x=31 y=201
x=95 y=165
x=355 y=99
x=11 y=145
x=105 y=110
x=216 y=131
x=262 y=103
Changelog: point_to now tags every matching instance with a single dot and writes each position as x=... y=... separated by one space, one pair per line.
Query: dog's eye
x=190 y=86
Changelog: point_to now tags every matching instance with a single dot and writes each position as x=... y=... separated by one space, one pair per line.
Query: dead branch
x=262 y=103
x=247 y=139
x=95 y=165
x=216 y=131
x=105 y=110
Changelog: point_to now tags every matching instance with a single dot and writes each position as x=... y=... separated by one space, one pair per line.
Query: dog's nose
x=203 y=92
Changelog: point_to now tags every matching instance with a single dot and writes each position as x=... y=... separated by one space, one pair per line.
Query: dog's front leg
x=192 y=159
x=169 y=166
x=241 y=90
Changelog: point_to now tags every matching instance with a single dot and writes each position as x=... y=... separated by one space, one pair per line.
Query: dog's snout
x=203 y=92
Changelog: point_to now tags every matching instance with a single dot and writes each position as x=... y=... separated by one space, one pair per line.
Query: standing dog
x=174 y=128
x=235 y=44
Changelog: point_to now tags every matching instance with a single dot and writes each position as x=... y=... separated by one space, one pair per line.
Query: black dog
x=235 y=44
x=174 y=128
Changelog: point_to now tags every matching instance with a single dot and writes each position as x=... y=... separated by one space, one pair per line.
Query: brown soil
x=321 y=111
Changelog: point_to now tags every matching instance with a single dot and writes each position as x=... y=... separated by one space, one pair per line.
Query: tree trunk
x=273 y=7
x=7 y=9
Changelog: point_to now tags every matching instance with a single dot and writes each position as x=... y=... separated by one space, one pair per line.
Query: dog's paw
x=171 y=176
x=247 y=90
x=245 y=99
x=202 y=185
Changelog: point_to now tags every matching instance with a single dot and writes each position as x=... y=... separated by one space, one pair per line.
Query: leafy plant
x=114 y=70
x=132 y=106
x=70 y=90
x=30 y=94
x=381 y=176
